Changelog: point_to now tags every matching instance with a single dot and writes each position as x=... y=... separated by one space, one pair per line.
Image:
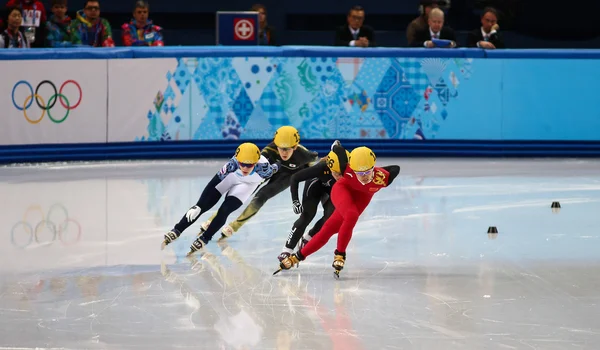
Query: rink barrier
x=287 y=51
x=486 y=146
x=224 y=149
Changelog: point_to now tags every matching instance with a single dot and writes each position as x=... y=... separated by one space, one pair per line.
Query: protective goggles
x=285 y=149
x=364 y=173
x=246 y=165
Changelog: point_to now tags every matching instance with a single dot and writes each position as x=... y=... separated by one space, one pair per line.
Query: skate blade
x=278 y=271
x=163 y=245
x=222 y=238
x=336 y=274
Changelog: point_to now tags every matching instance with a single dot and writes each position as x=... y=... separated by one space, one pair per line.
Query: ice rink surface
x=81 y=265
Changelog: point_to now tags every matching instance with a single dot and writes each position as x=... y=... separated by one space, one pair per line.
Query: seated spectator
x=12 y=37
x=435 y=30
x=487 y=37
x=266 y=33
x=355 y=33
x=140 y=31
x=89 y=29
x=420 y=23
x=33 y=25
x=57 y=27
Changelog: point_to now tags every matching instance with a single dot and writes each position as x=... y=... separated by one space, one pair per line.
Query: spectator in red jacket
x=140 y=31
x=34 y=20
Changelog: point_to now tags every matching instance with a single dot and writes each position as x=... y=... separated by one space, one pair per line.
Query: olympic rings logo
x=41 y=103
x=49 y=227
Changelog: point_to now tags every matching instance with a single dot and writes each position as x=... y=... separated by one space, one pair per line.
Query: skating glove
x=297 y=207
x=276 y=167
x=228 y=168
x=193 y=213
x=264 y=170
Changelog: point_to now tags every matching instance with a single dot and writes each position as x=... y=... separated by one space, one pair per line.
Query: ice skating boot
x=198 y=244
x=226 y=232
x=290 y=261
x=203 y=228
x=338 y=263
x=171 y=236
x=285 y=253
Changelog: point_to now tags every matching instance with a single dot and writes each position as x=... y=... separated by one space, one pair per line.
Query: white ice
x=81 y=265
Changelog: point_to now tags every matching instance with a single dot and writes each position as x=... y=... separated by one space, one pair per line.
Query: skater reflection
x=239 y=303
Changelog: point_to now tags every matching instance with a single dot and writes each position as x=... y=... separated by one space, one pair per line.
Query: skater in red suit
x=350 y=195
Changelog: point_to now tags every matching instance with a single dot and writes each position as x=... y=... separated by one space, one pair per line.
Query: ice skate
x=198 y=244
x=283 y=256
x=338 y=263
x=287 y=263
x=170 y=237
x=226 y=232
x=203 y=228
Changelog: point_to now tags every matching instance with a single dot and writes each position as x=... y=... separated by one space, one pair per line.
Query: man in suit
x=420 y=22
x=487 y=37
x=434 y=30
x=355 y=33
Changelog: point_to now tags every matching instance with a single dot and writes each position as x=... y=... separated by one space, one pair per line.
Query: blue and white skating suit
x=233 y=183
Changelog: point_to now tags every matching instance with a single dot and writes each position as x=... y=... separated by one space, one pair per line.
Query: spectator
x=435 y=30
x=57 y=27
x=355 y=33
x=487 y=36
x=140 y=31
x=266 y=33
x=89 y=29
x=33 y=14
x=12 y=37
x=420 y=23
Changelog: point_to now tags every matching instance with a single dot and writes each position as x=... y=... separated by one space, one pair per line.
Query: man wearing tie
x=355 y=33
x=487 y=37
x=436 y=30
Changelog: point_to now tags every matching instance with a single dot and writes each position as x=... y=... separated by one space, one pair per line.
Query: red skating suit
x=350 y=198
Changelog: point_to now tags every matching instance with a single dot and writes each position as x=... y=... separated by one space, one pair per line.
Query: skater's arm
x=309 y=158
x=394 y=170
x=270 y=152
x=305 y=174
x=264 y=169
x=340 y=152
x=228 y=168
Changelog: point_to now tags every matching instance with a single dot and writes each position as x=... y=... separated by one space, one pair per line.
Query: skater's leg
x=209 y=197
x=331 y=227
x=310 y=203
x=351 y=215
x=275 y=186
x=328 y=209
x=230 y=204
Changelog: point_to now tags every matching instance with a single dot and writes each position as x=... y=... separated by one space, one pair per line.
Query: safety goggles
x=364 y=173
x=284 y=149
x=246 y=165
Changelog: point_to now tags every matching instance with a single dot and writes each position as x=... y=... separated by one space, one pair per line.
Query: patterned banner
x=324 y=97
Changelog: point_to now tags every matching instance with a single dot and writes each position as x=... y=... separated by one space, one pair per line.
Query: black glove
x=297 y=206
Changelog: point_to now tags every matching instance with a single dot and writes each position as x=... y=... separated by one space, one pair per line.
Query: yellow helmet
x=334 y=163
x=362 y=159
x=247 y=153
x=286 y=137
